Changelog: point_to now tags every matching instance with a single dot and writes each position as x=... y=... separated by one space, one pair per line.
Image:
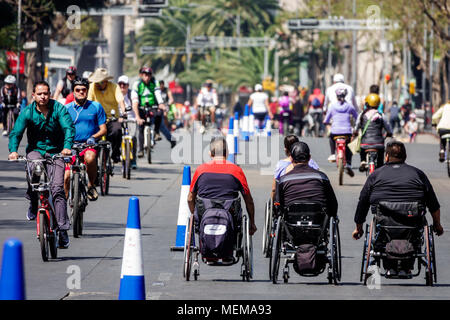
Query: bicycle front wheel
x=149 y=146
x=127 y=160
x=103 y=174
x=44 y=232
x=76 y=208
x=10 y=121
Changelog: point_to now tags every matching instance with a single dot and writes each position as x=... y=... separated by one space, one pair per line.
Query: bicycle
x=127 y=149
x=46 y=223
x=149 y=131
x=78 y=189
x=447 y=156
x=10 y=118
x=341 y=160
x=205 y=116
x=371 y=160
x=105 y=166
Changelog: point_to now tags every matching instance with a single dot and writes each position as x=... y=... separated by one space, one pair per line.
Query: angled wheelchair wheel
x=276 y=252
x=433 y=254
x=335 y=251
x=247 y=248
x=188 y=249
x=366 y=262
x=430 y=275
x=267 y=228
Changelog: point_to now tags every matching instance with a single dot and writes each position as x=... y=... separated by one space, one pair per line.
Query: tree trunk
x=30 y=72
x=445 y=79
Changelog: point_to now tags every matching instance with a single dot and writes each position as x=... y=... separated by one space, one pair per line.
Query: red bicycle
x=40 y=182
x=371 y=159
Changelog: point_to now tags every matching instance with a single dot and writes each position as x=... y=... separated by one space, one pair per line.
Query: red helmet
x=71 y=70
x=146 y=70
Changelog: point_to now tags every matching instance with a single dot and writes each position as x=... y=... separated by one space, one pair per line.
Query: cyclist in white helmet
x=330 y=94
x=259 y=102
x=207 y=100
x=9 y=99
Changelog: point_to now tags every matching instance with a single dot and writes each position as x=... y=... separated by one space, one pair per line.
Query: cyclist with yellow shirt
x=110 y=96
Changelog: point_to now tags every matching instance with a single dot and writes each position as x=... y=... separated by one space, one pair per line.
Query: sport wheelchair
x=398 y=235
x=243 y=246
x=305 y=224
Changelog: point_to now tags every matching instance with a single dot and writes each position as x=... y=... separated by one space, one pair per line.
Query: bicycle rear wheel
x=53 y=244
x=44 y=231
x=76 y=209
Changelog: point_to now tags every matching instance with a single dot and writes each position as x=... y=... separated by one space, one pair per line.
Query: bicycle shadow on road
x=10 y=224
x=6 y=165
x=61 y=259
x=12 y=193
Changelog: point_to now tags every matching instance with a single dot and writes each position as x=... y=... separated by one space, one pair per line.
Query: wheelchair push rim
x=247 y=247
x=267 y=229
x=366 y=254
x=430 y=271
x=276 y=248
x=188 y=248
x=335 y=252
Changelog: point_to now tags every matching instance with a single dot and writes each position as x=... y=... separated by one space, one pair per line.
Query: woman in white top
x=259 y=102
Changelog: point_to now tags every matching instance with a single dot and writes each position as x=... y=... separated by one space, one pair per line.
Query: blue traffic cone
x=245 y=128
x=268 y=127
x=236 y=131
x=12 y=277
x=183 y=210
x=231 y=141
x=251 y=123
x=132 y=281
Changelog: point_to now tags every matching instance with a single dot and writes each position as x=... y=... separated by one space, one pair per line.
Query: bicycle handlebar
x=52 y=158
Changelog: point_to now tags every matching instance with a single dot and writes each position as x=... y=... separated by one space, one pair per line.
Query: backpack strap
x=211 y=203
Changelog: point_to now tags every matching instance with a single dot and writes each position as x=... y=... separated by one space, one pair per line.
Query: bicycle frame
x=79 y=167
x=10 y=116
x=43 y=190
x=126 y=136
x=44 y=206
x=149 y=125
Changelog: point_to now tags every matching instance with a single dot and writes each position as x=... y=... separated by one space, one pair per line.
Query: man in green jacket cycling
x=50 y=130
x=147 y=92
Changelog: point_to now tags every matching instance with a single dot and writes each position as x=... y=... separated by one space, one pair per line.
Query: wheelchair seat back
x=399 y=221
x=305 y=222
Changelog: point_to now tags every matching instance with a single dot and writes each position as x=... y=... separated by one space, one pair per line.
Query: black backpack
x=217 y=229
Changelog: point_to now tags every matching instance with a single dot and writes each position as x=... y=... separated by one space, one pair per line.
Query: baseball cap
x=300 y=152
x=123 y=79
x=338 y=77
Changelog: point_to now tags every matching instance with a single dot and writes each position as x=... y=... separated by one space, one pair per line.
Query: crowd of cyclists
x=94 y=106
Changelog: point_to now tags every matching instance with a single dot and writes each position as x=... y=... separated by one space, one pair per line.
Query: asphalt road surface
x=97 y=255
